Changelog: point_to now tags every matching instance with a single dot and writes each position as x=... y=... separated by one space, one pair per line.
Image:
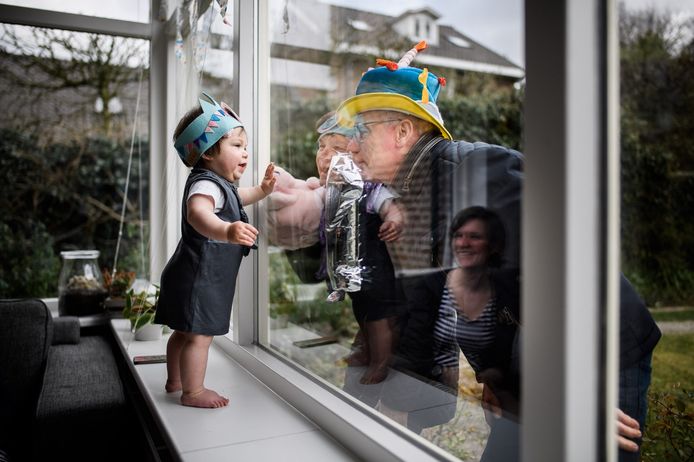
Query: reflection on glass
x=424 y=328
x=657 y=68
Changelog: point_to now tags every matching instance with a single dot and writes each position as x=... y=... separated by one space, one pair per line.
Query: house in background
x=351 y=40
x=450 y=53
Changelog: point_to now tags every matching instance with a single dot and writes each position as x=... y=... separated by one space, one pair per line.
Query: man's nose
x=353 y=146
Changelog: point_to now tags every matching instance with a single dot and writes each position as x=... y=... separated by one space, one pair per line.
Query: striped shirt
x=453 y=329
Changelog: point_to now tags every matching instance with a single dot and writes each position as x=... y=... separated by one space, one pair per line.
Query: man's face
x=374 y=147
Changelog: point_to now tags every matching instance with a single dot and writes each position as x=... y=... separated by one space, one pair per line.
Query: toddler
x=198 y=282
x=377 y=303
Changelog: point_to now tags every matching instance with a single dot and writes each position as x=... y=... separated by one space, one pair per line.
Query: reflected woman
x=479 y=313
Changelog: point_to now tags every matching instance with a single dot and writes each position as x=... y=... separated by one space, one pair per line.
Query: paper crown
x=397 y=87
x=331 y=127
x=205 y=130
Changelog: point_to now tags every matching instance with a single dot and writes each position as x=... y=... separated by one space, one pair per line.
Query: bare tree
x=71 y=69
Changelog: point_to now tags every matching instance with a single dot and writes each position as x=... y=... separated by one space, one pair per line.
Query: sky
x=496 y=24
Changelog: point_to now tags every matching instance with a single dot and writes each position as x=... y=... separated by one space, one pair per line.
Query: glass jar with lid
x=80 y=286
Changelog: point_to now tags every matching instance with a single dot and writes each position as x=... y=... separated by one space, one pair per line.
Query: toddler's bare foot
x=356 y=358
x=374 y=374
x=204 y=398
x=173 y=385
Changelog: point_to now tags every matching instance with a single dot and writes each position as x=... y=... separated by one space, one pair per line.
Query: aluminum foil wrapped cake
x=344 y=187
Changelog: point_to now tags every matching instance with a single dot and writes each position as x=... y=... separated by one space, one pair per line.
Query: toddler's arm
x=393 y=220
x=255 y=193
x=202 y=218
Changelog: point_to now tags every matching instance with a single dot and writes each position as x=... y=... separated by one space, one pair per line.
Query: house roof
x=426 y=10
x=357 y=30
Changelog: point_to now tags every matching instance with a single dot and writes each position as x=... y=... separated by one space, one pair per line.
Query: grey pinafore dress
x=198 y=282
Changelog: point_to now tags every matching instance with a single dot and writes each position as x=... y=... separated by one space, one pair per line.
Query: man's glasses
x=362 y=128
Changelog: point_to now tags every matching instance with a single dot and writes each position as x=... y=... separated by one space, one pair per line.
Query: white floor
x=257 y=425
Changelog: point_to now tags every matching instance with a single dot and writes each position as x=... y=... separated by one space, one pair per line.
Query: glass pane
x=74 y=123
x=657 y=245
x=204 y=54
x=394 y=252
x=127 y=10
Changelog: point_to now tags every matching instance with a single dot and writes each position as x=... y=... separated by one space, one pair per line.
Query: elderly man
x=402 y=142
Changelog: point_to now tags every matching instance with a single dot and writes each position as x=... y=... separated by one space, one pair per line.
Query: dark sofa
x=61 y=395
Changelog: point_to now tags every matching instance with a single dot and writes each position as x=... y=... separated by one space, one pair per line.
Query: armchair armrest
x=66 y=330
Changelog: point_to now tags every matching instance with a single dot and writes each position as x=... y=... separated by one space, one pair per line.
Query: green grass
x=673 y=363
x=670 y=422
x=686 y=314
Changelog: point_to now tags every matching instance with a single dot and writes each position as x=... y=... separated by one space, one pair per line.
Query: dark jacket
x=437 y=179
x=638 y=332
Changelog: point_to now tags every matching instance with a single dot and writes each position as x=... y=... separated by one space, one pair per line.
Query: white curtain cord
x=127 y=176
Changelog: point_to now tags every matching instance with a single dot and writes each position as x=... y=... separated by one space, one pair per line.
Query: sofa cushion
x=82 y=408
x=80 y=378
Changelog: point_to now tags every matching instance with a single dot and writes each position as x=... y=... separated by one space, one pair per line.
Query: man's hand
x=389 y=231
x=627 y=428
x=294 y=211
x=242 y=233
x=269 y=180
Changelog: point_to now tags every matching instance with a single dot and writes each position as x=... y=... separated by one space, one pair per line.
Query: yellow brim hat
x=402 y=90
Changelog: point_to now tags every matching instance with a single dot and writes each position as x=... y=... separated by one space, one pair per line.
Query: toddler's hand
x=269 y=180
x=390 y=231
x=242 y=233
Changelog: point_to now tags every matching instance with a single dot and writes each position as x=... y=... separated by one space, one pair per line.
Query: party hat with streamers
x=397 y=87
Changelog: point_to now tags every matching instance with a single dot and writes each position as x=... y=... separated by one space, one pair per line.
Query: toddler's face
x=328 y=145
x=232 y=159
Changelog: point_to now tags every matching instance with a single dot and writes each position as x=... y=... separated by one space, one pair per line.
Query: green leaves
x=657 y=127
x=140 y=308
x=64 y=196
x=670 y=429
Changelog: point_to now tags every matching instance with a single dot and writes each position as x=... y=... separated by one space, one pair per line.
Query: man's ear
x=405 y=132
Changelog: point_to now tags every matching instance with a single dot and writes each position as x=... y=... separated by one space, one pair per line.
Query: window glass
x=127 y=10
x=74 y=122
x=204 y=54
x=657 y=247
x=394 y=257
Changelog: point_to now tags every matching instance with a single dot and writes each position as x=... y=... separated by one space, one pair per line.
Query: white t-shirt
x=208 y=188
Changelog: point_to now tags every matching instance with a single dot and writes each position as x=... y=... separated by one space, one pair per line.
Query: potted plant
x=117 y=286
x=140 y=308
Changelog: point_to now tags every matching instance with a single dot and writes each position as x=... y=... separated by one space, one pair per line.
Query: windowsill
x=360 y=428
x=256 y=425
